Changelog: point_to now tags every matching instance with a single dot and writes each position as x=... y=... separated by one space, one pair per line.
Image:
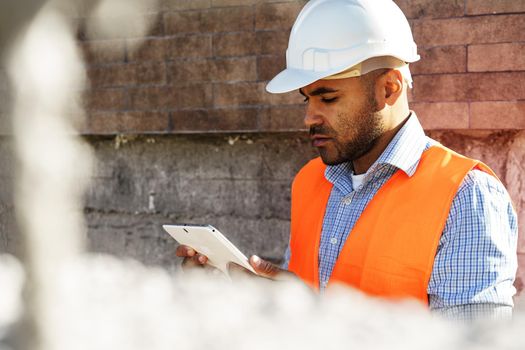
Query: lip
x=319 y=140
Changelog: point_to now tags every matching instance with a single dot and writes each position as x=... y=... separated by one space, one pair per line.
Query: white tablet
x=207 y=240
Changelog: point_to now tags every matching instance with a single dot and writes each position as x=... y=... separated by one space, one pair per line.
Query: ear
x=392 y=86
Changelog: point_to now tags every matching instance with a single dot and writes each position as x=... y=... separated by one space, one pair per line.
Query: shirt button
x=333 y=240
x=347 y=200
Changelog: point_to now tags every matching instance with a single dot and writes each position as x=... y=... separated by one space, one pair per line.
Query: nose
x=312 y=116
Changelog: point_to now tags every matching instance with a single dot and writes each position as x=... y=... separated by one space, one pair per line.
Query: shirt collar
x=403 y=152
x=405 y=149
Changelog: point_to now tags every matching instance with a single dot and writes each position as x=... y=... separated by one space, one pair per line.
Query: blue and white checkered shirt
x=476 y=261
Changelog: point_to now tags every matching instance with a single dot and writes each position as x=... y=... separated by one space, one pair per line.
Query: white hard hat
x=333 y=36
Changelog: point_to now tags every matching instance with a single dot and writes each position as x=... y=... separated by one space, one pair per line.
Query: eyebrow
x=319 y=91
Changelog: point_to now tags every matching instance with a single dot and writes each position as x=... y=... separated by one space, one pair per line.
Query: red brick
x=115 y=75
x=128 y=122
x=238 y=94
x=156 y=25
x=235 y=44
x=269 y=66
x=439 y=88
x=215 y=120
x=431 y=8
x=148 y=73
x=469 y=87
x=230 y=19
x=221 y=70
x=127 y=74
x=276 y=16
x=212 y=20
x=190 y=96
x=439 y=115
x=224 y=3
x=171 y=97
x=497 y=115
x=183 y=72
x=496 y=57
x=470 y=30
x=150 y=49
x=302 y=2
x=252 y=94
x=133 y=27
x=234 y=69
x=479 y=7
x=184 y=22
x=173 y=5
x=189 y=46
x=149 y=98
x=106 y=99
x=282 y=118
x=441 y=59
x=104 y=51
x=273 y=42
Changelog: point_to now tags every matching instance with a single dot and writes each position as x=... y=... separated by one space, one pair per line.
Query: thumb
x=264 y=268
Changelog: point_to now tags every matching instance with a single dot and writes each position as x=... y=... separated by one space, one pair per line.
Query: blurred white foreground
x=106 y=303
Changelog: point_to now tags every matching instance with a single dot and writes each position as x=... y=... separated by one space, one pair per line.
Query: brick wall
x=204 y=65
x=202 y=68
x=472 y=70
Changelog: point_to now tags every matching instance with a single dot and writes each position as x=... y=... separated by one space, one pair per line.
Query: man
x=385 y=209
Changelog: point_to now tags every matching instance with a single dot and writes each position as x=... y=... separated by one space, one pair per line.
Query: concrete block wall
x=239 y=184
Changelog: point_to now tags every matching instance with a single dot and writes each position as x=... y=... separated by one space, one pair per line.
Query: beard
x=353 y=136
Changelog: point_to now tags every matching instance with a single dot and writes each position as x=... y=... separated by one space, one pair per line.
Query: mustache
x=321 y=130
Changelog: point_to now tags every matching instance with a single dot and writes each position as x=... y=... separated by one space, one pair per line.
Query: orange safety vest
x=390 y=251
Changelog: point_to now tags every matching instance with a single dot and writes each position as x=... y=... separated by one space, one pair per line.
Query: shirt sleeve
x=476 y=260
x=472 y=312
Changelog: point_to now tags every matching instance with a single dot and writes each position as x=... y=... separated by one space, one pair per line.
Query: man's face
x=342 y=117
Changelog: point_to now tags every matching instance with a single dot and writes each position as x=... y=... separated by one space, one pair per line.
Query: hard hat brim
x=292 y=79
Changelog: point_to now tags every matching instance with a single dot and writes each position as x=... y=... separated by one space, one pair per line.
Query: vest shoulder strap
x=310 y=192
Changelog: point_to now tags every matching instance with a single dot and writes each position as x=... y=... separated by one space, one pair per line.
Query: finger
x=184 y=251
x=200 y=259
x=264 y=268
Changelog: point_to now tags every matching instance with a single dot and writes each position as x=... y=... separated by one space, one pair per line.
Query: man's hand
x=264 y=268
x=191 y=257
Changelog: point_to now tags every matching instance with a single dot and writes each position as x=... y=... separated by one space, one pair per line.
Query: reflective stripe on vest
x=390 y=251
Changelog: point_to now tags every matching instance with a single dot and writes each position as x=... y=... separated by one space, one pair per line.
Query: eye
x=329 y=100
